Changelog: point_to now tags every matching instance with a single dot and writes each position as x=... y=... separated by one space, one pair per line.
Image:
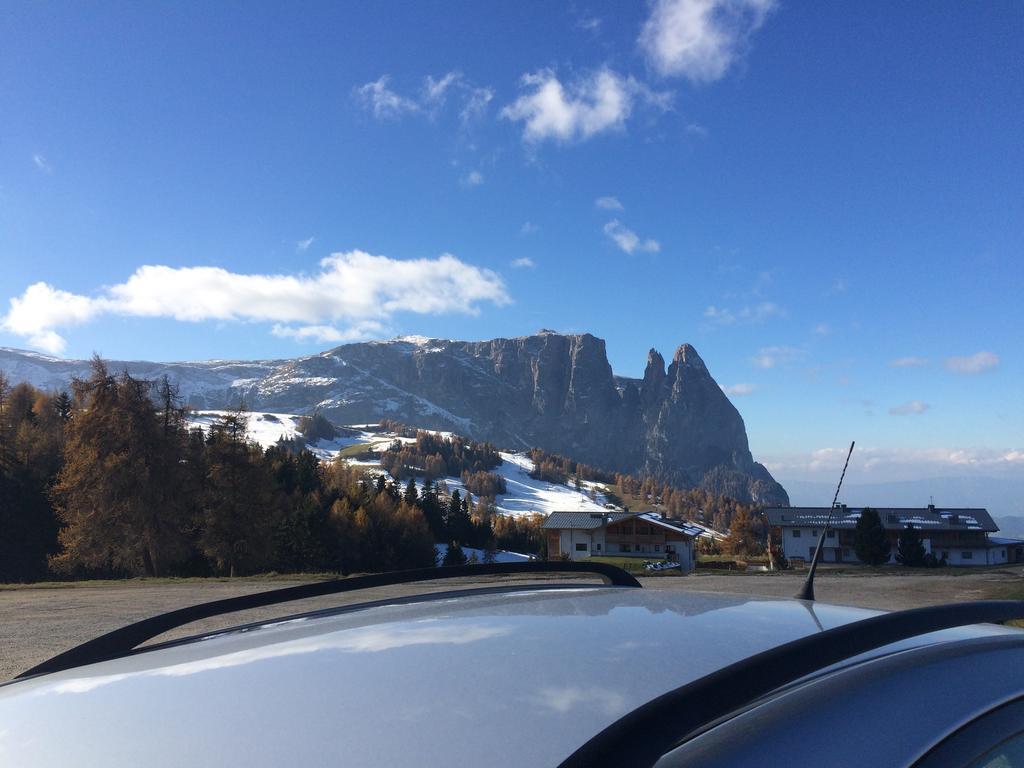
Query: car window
x=1009 y=754
x=994 y=740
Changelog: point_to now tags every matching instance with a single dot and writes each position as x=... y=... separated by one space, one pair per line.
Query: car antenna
x=807 y=590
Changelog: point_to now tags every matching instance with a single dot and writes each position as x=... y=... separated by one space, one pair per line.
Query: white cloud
x=384 y=102
x=528 y=228
x=700 y=39
x=628 y=240
x=472 y=179
x=874 y=464
x=40 y=309
x=822 y=329
x=303 y=245
x=431 y=99
x=696 y=129
x=524 y=262
x=908 y=362
x=435 y=91
x=41 y=163
x=739 y=390
x=756 y=313
x=718 y=315
x=609 y=203
x=909 y=407
x=476 y=104
x=773 y=357
x=351 y=288
x=328 y=334
x=976 y=363
x=761 y=312
x=601 y=102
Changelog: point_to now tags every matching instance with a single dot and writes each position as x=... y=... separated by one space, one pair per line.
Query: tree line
x=716 y=510
x=109 y=480
x=434 y=456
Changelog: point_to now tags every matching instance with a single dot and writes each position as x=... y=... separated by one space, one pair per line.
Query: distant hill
x=549 y=390
x=1011 y=525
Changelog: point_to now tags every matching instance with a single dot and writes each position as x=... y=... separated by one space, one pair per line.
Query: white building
x=959 y=535
x=580 y=535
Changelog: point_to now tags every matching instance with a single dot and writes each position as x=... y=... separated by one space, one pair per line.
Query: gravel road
x=39 y=621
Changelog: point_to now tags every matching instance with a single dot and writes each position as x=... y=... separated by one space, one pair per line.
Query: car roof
x=519 y=677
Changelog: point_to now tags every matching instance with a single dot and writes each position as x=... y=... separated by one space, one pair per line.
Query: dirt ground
x=37 y=622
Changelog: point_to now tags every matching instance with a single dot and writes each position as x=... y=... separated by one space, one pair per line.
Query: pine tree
x=432 y=512
x=411 y=495
x=119 y=490
x=62 y=404
x=237 y=513
x=869 y=539
x=744 y=534
x=909 y=548
x=30 y=454
x=454 y=555
x=458 y=522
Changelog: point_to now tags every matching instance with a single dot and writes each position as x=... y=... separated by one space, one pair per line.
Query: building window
x=831 y=534
x=814 y=532
x=624 y=548
x=967 y=555
x=598 y=546
x=657 y=548
x=796 y=533
x=581 y=546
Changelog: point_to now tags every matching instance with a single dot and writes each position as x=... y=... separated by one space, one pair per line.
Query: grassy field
x=354 y=451
x=753 y=559
x=615 y=495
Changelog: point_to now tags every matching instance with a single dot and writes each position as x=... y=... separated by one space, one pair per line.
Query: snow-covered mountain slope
x=549 y=390
x=269 y=428
x=524 y=495
x=210 y=383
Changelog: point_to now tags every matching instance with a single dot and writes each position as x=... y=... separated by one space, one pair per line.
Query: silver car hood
x=516 y=678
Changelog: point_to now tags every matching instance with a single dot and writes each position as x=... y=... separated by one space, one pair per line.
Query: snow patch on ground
x=524 y=495
x=268 y=428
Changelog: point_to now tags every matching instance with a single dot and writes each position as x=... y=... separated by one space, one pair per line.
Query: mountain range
x=549 y=390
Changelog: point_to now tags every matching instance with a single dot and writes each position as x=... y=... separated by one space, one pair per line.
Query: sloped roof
x=924 y=518
x=679 y=526
x=591 y=521
x=584 y=521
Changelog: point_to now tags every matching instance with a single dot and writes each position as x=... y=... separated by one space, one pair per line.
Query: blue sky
x=827 y=200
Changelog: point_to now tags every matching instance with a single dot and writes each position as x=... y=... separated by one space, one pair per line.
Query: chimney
x=931 y=508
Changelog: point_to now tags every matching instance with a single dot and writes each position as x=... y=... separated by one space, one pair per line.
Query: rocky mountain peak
x=687 y=356
x=550 y=390
x=655 y=370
